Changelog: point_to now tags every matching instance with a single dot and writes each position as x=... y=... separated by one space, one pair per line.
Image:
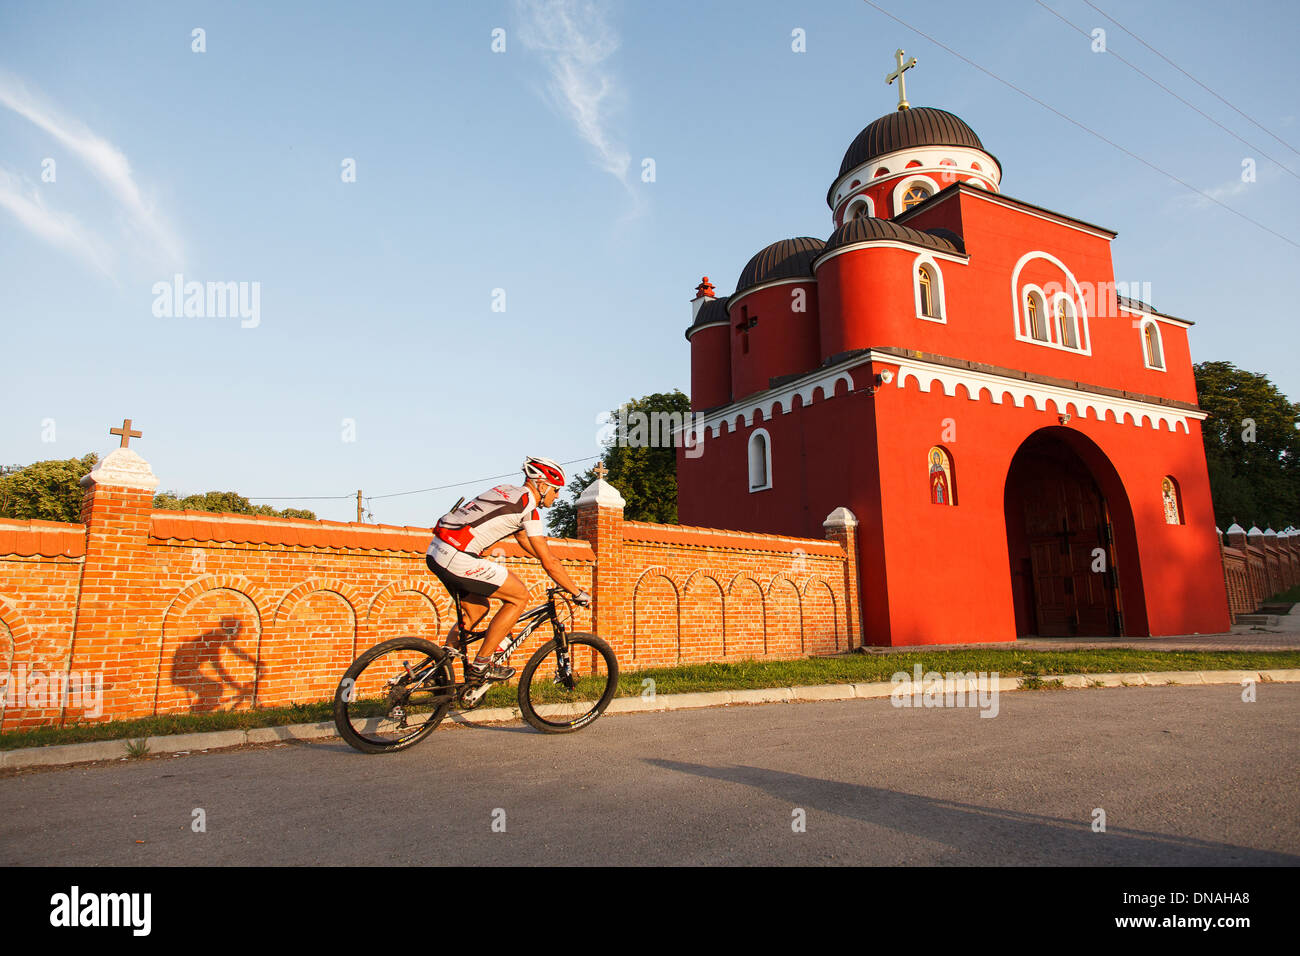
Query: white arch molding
x=760 y=460
x=1020 y=324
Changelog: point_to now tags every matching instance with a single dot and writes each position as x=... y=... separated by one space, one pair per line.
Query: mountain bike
x=396 y=693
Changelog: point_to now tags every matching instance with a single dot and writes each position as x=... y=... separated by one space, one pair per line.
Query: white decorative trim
x=123 y=468
x=767 y=464
x=1053 y=321
x=853 y=200
x=1021 y=327
x=731 y=303
x=928 y=156
x=741 y=414
x=936 y=289
x=1167 y=319
x=709 y=325
x=602 y=494
x=1160 y=345
x=889 y=244
x=910 y=179
x=1026 y=290
x=1064 y=400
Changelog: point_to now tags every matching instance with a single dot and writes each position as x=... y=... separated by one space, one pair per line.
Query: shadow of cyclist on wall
x=197 y=668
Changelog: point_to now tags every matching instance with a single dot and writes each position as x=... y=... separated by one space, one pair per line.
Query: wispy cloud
x=154 y=238
x=574 y=40
x=1222 y=193
x=24 y=201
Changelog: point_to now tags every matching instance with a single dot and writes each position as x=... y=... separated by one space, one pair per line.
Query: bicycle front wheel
x=563 y=690
x=394 y=695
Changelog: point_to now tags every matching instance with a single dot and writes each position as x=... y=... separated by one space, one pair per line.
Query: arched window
x=929 y=289
x=915 y=194
x=942 y=491
x=861 y=206
x=1065 y=325
x=1153 y=353
x=760 y=460
x=1035 y=320
x=1172 y=501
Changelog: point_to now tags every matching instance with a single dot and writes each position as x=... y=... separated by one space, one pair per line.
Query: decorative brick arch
x=437 y=597
x=168 y=691
x=762 y=599
x=218 y=582
x=658 y=570
x=19 y=632
x=707 y=573
x=311 y=586
x=770 y=608
x=699 y=643
x=808 y=586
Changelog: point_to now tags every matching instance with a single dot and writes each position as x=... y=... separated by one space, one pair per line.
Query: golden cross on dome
x=600 y=470
x=125 y=432
x=898 y=75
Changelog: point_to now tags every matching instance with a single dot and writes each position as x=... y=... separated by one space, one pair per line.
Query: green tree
x=224 y=502
x=45 y=490
x=639 y=462
x=1252 y=448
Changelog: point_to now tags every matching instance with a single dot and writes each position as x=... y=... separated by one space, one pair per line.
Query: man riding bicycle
x=461 y=536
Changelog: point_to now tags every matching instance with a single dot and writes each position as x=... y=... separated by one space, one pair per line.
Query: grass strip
x=740 y=675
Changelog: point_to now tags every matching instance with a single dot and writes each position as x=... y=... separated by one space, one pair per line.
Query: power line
x=398 y=494
x=1192 y=78
x=1135 y=68
x=1074 y=122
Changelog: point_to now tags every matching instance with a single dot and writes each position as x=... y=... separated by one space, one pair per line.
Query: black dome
x=787 y=259
x=865 y=228
x=902 y=129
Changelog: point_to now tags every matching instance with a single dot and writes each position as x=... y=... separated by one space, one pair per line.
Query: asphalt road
x=1185 y=775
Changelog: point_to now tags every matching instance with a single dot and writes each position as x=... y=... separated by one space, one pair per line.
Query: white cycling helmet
x=545 y=470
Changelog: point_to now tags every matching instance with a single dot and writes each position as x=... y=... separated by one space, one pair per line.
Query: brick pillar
x=841 y=526
x=113 y=634
x=600 y=521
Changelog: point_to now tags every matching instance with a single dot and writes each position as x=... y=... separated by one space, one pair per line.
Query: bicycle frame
x=531 y=619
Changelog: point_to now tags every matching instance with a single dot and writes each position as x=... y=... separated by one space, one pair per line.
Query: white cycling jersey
x=497 y=513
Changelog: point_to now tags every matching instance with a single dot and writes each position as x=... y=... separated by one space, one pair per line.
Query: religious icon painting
x=941 y=486
x=1173 y=508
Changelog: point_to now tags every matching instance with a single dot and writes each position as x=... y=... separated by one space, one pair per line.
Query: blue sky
x=521 y=171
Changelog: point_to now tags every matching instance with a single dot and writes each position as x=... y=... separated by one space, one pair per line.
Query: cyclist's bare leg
x=513 y=595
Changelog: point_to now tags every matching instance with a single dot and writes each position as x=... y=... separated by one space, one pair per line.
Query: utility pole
x=358 y=506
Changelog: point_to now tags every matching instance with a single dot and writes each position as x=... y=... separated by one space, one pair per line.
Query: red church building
x=1019 y=444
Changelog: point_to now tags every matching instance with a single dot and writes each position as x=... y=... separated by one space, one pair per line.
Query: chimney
x=703 y=293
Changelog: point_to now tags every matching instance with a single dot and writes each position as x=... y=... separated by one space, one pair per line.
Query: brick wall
x=1257 y=566
x=195 y=612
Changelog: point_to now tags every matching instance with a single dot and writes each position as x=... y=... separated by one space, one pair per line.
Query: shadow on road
x=975 y=830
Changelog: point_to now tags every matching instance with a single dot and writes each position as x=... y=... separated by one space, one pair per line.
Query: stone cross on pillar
x=126 y=433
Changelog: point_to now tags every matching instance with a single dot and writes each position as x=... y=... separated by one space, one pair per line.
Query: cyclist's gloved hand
x=582 y=598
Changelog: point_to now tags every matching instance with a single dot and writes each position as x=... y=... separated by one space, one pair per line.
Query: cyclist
x=462 y=535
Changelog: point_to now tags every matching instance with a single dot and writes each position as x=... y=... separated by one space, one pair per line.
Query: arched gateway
x=1070 y=539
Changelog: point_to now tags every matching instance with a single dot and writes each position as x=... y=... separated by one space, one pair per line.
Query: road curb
x=66 y=754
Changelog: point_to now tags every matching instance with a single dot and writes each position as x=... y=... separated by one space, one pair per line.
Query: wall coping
x=206 y=526
x=691 y=536
x=48 y=539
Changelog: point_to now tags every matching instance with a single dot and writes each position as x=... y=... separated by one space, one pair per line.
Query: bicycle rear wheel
x=563 y=692
x=394 y=695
